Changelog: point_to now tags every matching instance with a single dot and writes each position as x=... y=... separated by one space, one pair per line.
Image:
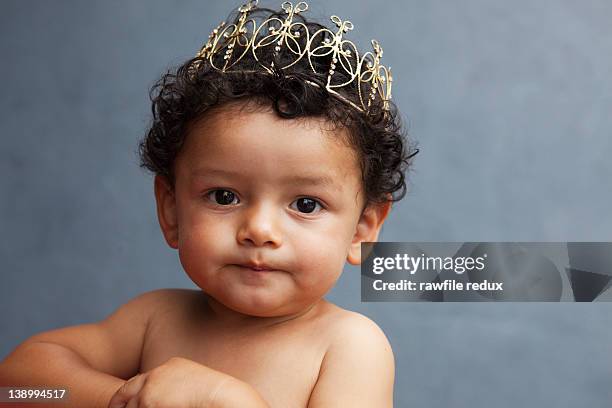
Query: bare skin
x=282 y=360
x=247 y=337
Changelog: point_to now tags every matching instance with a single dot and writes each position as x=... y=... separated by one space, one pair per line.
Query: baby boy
x=276 y=153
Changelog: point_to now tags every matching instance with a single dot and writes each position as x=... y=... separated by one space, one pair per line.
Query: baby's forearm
x=49 y=365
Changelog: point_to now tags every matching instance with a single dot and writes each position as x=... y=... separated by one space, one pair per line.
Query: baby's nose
x=260 y=227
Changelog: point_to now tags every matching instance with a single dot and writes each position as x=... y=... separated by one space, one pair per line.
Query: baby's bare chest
x=282 y=363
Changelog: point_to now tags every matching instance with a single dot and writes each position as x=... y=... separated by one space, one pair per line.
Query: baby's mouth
x=254 y=267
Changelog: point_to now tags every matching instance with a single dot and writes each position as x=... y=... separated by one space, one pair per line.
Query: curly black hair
x=195 y=88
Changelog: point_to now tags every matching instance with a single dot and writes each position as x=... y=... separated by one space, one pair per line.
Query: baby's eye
x=307 y=205
x=222 y=197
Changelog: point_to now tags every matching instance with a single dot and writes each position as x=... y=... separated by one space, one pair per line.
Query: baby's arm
x=91 y=361
x=358 y=369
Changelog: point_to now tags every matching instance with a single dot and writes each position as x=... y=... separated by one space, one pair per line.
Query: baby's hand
x=178 y=383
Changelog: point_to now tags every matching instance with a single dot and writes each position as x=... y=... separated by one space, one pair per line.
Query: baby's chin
x=257 y=305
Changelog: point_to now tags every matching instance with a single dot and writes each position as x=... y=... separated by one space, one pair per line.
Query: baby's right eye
x=222 y=197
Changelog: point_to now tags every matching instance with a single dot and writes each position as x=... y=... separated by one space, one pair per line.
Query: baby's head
x=267 y=182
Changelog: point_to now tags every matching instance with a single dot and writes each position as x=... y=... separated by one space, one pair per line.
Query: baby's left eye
x=307 y=205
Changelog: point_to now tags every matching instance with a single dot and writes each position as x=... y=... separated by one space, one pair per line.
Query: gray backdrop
x=510 y=102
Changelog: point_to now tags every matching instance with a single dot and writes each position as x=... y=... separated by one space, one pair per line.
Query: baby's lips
x=258 y=266
x=260 y=269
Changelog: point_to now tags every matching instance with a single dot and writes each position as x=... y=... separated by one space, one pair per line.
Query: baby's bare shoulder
x=358 y=352
x=148 y=305
x=342 y=323
x=114 y=345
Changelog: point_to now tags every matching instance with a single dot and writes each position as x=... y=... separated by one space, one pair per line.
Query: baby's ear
x=368 y=228
x=166 y=210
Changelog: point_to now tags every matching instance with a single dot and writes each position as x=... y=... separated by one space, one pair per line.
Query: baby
x=276 y=153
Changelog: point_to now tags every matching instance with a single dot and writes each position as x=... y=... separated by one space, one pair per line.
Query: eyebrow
x=318 y=180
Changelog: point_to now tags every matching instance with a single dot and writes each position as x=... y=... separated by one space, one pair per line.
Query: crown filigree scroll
x=228 y=44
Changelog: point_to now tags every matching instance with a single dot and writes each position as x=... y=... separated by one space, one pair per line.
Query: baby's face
x=255 y=189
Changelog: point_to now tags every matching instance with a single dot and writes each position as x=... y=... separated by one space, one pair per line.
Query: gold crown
x=244 y=35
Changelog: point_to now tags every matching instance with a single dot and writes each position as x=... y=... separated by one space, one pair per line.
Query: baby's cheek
x=321 y=263
x=199 y=248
